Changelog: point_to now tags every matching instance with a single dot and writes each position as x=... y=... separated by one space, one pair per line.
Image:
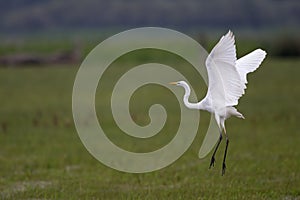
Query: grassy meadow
x=42 y=157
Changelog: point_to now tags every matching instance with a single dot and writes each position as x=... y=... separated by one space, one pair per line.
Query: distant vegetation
x=45 y=49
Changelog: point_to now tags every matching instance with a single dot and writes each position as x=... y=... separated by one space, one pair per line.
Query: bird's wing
x=249 y=63
x=225 y=85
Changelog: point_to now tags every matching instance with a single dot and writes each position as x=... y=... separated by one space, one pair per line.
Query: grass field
x=42 y=157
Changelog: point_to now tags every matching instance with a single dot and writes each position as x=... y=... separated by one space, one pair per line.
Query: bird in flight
x=227 y=79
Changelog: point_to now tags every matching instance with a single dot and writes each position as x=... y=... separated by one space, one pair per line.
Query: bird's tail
x=233 y=111
x=239 y=115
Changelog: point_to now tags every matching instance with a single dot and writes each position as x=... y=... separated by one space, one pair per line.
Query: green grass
x=41 y=155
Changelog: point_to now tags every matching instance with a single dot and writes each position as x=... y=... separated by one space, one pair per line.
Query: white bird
x=227 y=79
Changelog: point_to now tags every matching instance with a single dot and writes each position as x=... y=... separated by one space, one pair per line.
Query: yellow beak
x=173 y=83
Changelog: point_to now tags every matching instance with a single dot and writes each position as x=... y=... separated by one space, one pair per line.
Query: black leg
x=224 y=159
x=212 y=161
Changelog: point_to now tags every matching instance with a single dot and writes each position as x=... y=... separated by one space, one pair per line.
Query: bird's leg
x=212 y=161
x=224 y=159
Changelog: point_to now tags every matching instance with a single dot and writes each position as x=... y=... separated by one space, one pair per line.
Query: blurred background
x=49 y=26
x=42 y=44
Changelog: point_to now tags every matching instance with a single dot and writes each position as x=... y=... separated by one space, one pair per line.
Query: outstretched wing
x=225 y=85
x=249 y=63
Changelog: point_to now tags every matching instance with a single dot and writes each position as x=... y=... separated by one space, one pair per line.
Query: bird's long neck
x=186 y=98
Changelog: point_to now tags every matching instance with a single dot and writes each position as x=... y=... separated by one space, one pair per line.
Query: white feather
x=249 y=63
x=225 y=85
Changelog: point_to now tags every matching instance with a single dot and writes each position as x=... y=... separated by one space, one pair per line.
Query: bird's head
x=179 y=83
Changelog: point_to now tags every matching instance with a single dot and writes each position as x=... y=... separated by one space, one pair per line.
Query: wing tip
x=263 y=52
x=230 y=34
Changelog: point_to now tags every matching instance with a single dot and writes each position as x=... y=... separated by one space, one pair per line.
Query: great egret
x=224 y=68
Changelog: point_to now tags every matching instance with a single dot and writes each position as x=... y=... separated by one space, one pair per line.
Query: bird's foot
x=212 y=162
x=223 y=169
